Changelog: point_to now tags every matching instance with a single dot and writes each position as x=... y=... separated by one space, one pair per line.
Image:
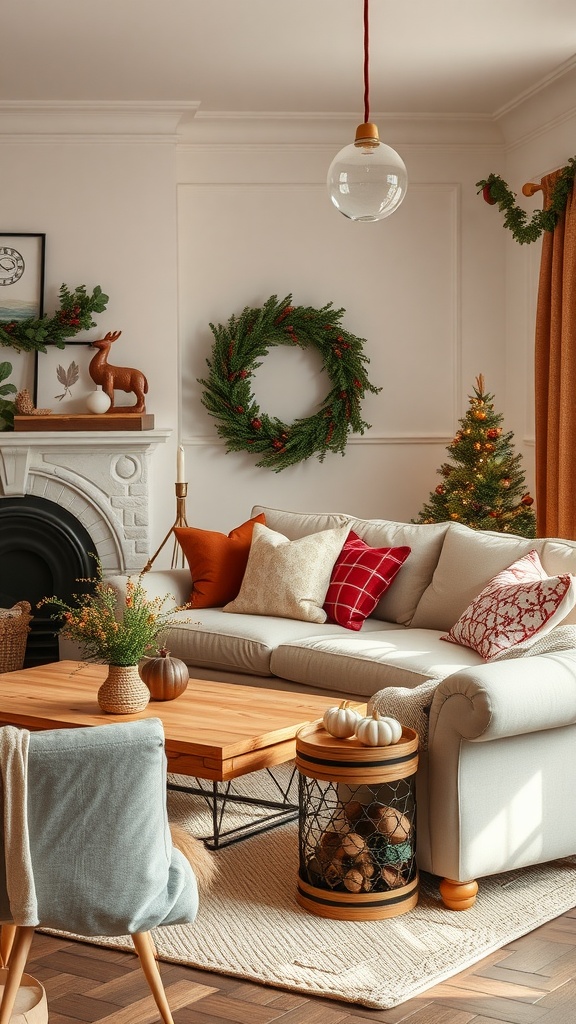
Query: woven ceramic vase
x=123 y=692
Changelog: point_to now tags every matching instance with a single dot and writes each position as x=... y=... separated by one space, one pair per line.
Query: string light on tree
x=484 y=486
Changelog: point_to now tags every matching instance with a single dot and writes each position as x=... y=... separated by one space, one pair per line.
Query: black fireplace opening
x=44 y=551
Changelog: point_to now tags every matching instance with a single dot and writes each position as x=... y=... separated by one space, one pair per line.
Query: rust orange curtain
x=555 y=375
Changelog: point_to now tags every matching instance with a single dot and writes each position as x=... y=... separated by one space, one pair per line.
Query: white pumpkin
x=378 y=730
x=341 y=721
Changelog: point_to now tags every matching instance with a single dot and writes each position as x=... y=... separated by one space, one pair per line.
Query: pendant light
x=367 y=180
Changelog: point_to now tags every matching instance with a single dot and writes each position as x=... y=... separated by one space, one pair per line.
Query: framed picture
x=63 y=382
x=21 y=275
x=23 y=368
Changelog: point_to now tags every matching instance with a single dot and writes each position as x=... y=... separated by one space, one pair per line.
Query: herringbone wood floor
x=530 y=981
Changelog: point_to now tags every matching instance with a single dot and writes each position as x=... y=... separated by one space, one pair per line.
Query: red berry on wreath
x=256 y=424
x=240 y=409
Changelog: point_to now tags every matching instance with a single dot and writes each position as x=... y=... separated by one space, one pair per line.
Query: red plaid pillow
x=359 y=578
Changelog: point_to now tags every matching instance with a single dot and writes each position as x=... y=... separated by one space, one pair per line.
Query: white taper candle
x=180 y=471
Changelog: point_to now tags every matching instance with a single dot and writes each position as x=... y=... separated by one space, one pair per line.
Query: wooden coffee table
x=214 y=732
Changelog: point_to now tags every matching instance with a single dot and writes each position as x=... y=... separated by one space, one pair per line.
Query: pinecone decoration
x=25 y=406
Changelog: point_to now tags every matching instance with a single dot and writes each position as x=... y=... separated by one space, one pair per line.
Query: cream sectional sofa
x=497 y=776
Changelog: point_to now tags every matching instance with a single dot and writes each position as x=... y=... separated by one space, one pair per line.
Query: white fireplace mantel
x=101 y=477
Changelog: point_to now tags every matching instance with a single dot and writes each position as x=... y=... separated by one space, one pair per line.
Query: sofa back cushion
x=468 y=561
x=559 y=556
x=425 y=543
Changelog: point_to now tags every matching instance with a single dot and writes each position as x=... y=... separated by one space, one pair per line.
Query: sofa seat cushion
x=424 y=540
x=240 y=643
x=362 y=663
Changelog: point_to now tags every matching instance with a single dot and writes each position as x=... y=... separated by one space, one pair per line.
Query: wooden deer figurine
x=117 y=378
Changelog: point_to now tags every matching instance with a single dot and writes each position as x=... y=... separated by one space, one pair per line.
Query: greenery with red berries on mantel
x=74 y=315
x=238 y=350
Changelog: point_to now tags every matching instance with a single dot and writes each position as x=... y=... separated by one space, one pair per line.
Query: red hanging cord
x=366 y=82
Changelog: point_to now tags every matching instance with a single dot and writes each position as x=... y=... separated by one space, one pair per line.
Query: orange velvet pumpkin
x=165 y=677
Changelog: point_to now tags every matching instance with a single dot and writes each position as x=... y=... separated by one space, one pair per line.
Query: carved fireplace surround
x=100 y=478
x=65 y=497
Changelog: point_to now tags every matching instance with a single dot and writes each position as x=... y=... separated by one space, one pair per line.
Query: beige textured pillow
x=288 y=578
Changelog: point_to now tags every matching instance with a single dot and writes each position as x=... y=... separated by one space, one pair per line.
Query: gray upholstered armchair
x=87 y=844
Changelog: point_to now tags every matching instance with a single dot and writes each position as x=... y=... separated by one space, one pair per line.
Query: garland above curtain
x=496 y=192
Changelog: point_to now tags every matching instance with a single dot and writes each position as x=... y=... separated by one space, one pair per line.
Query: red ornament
x=256 y=424
x=493 y=433
x=505 y=482
x=440 y=489
x=243 y=374
x=239 y=408
x=527 y=500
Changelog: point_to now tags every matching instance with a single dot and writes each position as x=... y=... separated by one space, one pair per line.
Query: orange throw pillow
x=217 y=562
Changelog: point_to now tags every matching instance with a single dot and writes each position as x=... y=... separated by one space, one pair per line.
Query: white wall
x=107 y=205
x=185 y=229
x=425 y=288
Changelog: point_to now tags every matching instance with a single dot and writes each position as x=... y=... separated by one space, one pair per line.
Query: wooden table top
x=215 y=731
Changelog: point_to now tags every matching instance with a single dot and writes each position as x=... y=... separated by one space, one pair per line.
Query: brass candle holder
x=181 y=494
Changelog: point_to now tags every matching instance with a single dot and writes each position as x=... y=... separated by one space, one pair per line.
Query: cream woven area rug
x=251 y=927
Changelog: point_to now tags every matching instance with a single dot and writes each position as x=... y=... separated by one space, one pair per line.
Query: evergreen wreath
x=496 y=191
x=238 y=350
x=74 y=315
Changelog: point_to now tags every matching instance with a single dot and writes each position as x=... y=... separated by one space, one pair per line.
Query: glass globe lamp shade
x=367 y=180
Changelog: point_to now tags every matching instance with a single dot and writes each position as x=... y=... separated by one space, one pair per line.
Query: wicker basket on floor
x=14 y=629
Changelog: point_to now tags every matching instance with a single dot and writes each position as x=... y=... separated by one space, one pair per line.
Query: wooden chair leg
x=144 y=947
x=7 y=933
x=17 y=963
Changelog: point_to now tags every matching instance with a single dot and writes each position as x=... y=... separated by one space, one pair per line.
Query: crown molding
x=549 y=102
x=257 y=127
x=126 y=119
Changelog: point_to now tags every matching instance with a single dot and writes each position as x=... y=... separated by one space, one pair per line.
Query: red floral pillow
x=359 y=578
x=518 y=606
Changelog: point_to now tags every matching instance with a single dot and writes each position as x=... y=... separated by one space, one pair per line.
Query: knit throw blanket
x=411 y=706
x=19 y=875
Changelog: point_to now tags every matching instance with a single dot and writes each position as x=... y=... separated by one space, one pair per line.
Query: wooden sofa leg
x=144 y=947
x=458 y=895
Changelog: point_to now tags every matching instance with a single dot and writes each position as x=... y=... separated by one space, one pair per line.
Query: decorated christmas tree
x=483 y=485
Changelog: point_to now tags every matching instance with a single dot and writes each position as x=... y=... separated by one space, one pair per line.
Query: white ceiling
x=426 y=56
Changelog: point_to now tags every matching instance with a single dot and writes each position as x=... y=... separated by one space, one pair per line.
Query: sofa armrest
x=157 y=583
x=506 y=698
